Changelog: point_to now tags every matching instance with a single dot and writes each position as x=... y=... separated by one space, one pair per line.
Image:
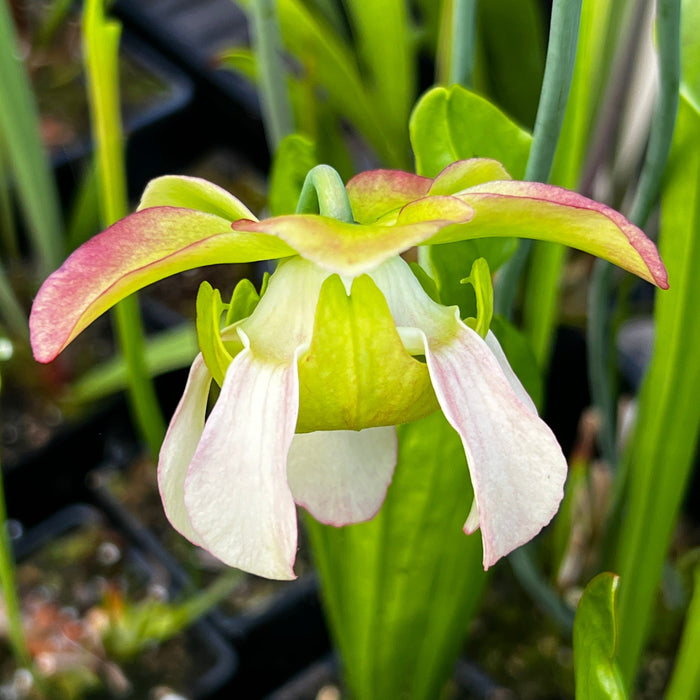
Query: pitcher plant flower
x=344 y=344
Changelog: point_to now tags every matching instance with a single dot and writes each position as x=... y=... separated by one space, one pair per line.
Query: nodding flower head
x=346 y=342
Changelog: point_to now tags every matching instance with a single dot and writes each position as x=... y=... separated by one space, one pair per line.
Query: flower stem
x=101 y=43
x=463 y=45
x=559 y=69
x=325 y=193
x=276 y=109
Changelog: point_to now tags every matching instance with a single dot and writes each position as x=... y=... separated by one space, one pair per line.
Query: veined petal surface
x=341 y=476
x=354 y=249
x=516 y=465
x=179 y=446
x=550 y=213
x=236 y=491
x=136 y=251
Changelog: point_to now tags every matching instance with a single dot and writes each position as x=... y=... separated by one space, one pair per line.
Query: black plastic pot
x=213 y=661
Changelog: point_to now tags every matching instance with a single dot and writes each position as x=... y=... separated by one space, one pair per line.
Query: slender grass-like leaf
x=685 y=681
x=100 y=46
x=28 y=161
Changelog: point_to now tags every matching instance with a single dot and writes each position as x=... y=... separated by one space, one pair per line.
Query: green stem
x=323 y=192
x=217 y=591
x=12 y=313
x=101 y=44
x=559 y=69
x=463 y=45
x=274 y=98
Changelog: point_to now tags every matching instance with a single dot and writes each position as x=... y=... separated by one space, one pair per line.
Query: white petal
x=516 y=465
x=511 y=376
x=236 y=489
x=471 y=524
x=341 y=476
x=179 y=446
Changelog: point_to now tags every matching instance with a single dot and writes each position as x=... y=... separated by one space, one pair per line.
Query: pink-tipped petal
x=341 y=476
x=374 y=193
x=179 y=446
x=516 y=465
x=236 y=491
x=142 y=248
x=550 y=213
x=353 y=249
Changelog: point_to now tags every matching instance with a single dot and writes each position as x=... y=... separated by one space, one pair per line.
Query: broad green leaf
x=294 y=157
x=668 y=418
x=400 y=590
x=513 y=49
x=454 y=124
x=595 y=634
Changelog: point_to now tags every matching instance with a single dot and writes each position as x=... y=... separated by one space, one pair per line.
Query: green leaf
x=668 y=420
x=597 y=676
x=386 y=48
x=21 y=139
x=454 y=124
x=690 y=52
x=513 y=54
x=294 y=158
x=400 y=590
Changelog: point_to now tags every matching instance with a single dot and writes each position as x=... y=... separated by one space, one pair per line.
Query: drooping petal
x=549 y=213
x=516 y=465
x=341 y=476
x=353 y=249
x=374 y=193
x=193 y=193
x=236 y=491
x=142 y=248
x=179 y=446
x=511 y=376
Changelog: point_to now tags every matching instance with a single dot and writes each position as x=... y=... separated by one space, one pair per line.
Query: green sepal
x=243 y=302
x=480 y=280
x=209 y=311
x=356 y=373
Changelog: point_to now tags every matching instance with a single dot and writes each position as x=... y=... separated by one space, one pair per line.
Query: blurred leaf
x=450 y=124
x=25 y=153
x=400 y=590
x=662 y=449
x=512 y=34
x=597 y=675
x=295 y=156
x=690 y=52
